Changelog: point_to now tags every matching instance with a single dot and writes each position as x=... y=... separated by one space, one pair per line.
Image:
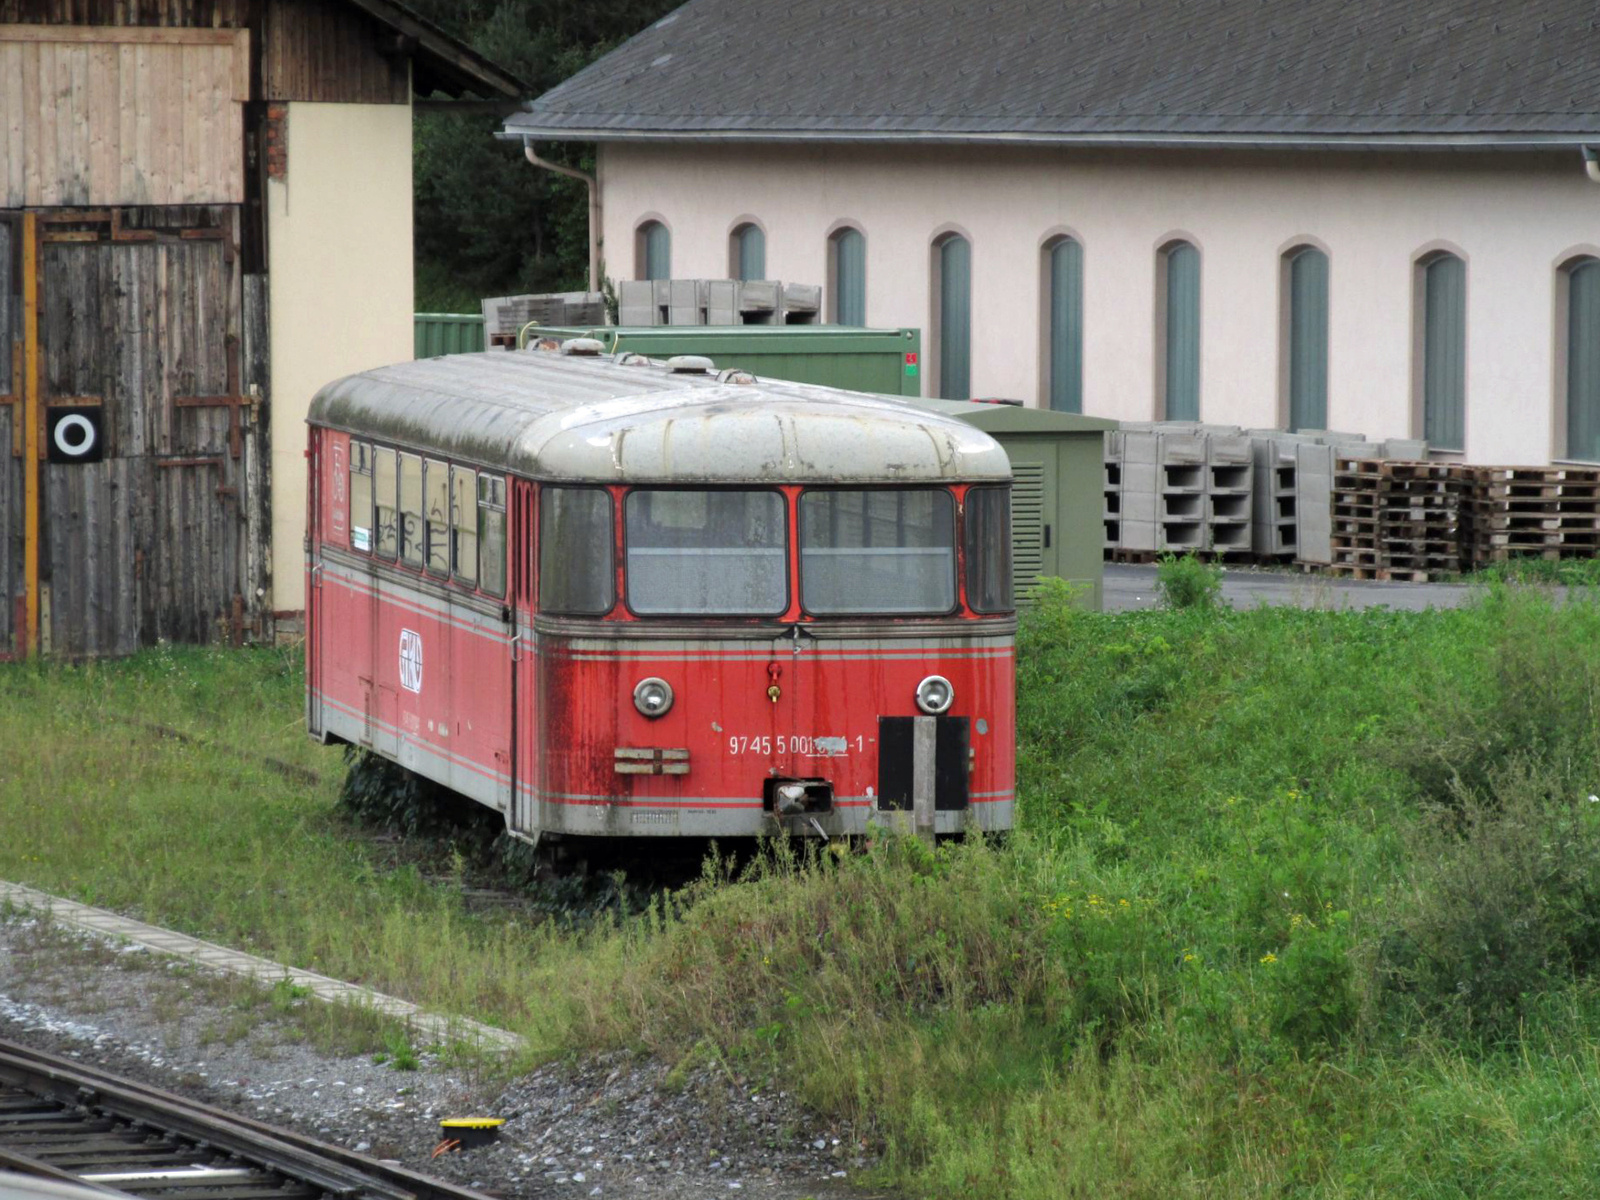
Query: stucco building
x=1370 y=215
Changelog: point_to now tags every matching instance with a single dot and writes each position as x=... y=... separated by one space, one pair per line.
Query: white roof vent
x=549 y=345
x=690 y=364
x=735 y=375
x=583 y=347
x=633 y=358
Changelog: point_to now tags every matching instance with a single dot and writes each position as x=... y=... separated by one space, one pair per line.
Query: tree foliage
x=488 y=223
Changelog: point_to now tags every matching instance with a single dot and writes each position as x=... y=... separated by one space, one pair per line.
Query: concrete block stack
x=650 y=302
x=1230 y=488
x=1274 y=525
x=1111 y=489
x=1259 y=494
x=1177 y=486
x=1131 y=491
x=1181 y=480
x=1531 y=512
x=504 y=316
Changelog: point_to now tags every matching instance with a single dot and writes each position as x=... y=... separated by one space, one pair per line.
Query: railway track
x=65 y=1121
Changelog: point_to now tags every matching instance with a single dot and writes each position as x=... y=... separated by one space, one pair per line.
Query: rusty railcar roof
x=569 y=418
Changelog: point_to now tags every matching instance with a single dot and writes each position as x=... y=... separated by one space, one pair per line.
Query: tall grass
x=1300 y=903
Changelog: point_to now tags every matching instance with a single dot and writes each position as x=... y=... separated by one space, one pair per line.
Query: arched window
x=1305 y=322
x=1180 y=333
x=747 y=252
x=1582 y=365
x=1063 y=324
x=1442 y=291
x=953 y=314
x=847 y=263
x=653 y=251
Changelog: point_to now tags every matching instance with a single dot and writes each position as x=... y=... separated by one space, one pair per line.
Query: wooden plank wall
x=312 y=50
x=10 y=464
x=204 y=14
x=10 y=306
x=121 y=116
x=143 y=545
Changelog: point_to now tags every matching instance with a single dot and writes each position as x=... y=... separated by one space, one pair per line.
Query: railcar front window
x=577 y=559
x=987 y=525
x=360 y=496
x=386 y=518
x=706 y=553
x=891 y=551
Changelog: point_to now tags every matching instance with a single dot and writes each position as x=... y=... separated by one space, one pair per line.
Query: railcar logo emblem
x=411 y=660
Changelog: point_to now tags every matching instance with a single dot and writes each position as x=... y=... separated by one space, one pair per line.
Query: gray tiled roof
x=1379 y=71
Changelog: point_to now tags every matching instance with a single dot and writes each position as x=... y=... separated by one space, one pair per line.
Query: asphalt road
x=1128 y=588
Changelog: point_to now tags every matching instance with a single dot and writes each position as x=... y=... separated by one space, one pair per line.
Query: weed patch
x=1301 y=903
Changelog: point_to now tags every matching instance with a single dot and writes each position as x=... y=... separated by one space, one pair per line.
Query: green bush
x=1186 y=582
x=1502 y=904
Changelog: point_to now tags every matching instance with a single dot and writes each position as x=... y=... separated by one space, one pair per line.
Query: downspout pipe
x=594 y=205
x=1591 y=162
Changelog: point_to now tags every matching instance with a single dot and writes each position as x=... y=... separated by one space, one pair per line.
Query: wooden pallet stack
x=1397 y=520
x=1533 y=512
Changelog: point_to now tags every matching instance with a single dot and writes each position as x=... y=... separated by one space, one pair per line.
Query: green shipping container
x=1057 y=491
x=435 y=334
x=842 y=356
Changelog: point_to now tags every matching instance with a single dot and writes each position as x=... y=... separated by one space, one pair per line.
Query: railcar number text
x=805 y=747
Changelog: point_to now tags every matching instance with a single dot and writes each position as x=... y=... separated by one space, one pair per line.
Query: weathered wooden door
x=11 y=460
x=140 y=336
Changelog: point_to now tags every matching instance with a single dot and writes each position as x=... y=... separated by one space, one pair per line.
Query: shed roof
x=562 y=417
x=440 y=62
x=1362 y=73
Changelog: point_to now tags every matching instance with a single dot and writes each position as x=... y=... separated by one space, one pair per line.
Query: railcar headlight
x=935 y=695
x=653 y=697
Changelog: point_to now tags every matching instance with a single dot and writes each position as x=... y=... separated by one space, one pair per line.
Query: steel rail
x=66 y=1120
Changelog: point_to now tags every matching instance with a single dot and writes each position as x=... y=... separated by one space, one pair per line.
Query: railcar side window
x=464 y=524
x=360 y=495
x=987 y=528
x=411 y=509
x=384 y=488
x=706 y=552
x=577 y=556
x=884 y=551
x=435 y=525
x=492 y=534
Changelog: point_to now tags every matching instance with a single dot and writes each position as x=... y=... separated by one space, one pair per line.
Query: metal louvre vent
x=1027 y=526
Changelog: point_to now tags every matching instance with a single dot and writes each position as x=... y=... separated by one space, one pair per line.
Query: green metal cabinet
x=435 y=334
x=842 y=356
x=1057 y=490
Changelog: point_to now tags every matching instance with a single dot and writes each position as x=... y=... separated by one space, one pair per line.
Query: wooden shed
x=165 y=297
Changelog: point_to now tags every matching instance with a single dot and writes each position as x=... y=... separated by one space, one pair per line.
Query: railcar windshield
x=988 y=549
x=891 y=550
x=706 y=553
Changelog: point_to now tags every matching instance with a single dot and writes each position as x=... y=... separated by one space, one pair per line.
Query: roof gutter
x=593 y=185
x=1167 y=141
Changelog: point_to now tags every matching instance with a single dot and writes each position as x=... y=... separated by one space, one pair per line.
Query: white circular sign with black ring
x=74 y=435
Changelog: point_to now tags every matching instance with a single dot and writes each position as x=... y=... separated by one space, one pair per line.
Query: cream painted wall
x=340 y=272
x=1513 y=216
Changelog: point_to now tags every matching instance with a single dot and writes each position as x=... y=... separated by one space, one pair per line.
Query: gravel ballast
x=618 y=1125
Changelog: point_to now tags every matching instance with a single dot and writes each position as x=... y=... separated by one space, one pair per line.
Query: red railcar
x=622 y=598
